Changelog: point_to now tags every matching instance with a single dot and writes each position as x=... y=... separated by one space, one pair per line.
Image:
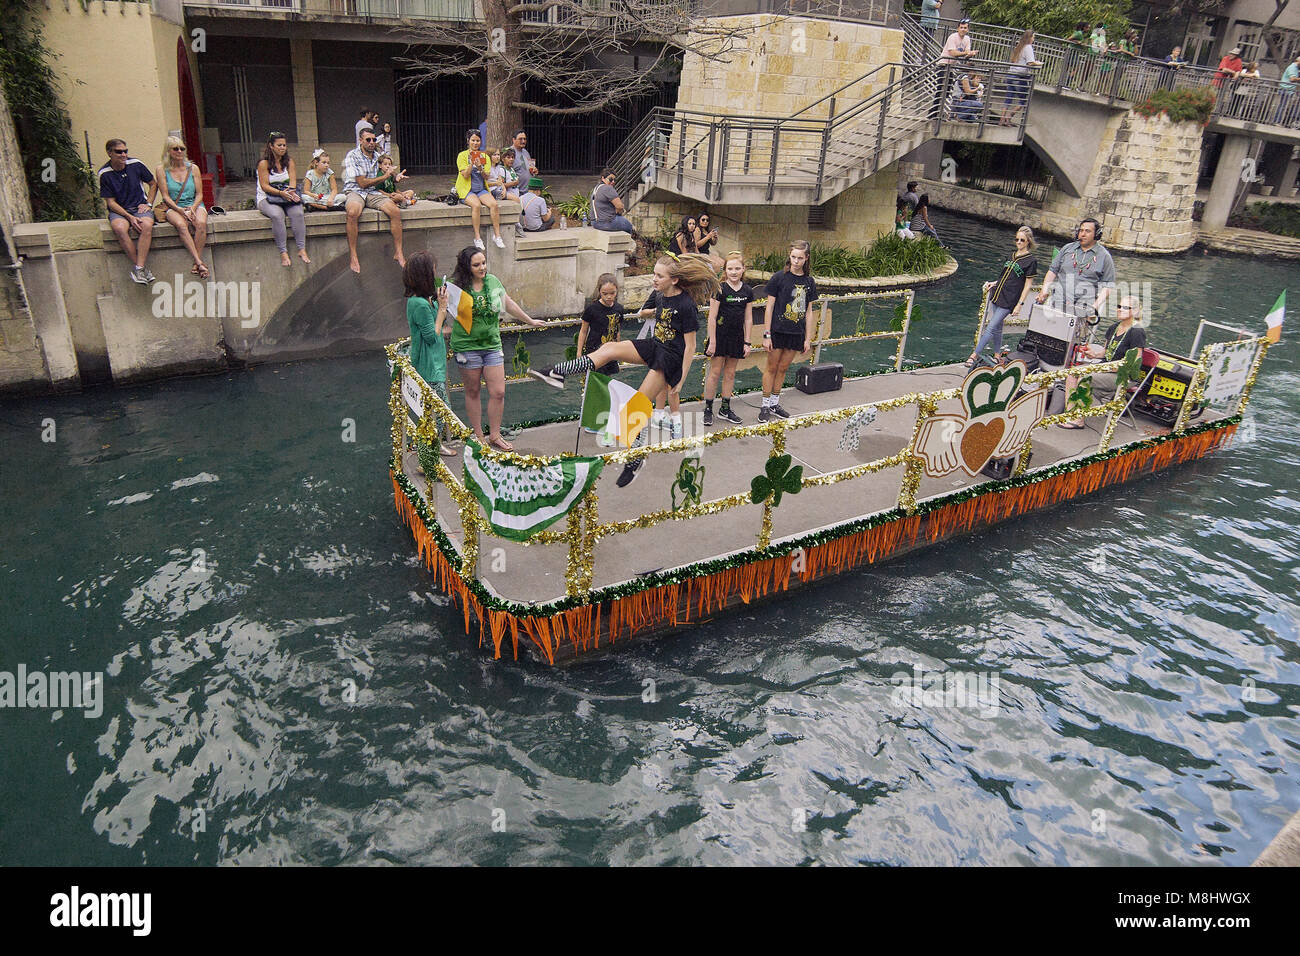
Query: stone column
x=304 y=94
x=1227 y=178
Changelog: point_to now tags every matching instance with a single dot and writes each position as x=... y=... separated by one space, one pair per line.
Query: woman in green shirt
x=424 y=303
x=478 y=350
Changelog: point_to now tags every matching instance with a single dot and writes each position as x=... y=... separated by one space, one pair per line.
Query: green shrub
x=575 y=207
x=1277 y=218
x=1181 y=106
x=889 y=255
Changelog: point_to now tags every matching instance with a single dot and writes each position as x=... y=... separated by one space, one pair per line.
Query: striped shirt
x=355 y=164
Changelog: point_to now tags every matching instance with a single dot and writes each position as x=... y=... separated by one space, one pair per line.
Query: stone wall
x=1142 y=188
x=780 y=66
x=855 y=217
x=95 y=325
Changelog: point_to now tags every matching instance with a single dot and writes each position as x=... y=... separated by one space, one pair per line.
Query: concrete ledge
x=94 y=325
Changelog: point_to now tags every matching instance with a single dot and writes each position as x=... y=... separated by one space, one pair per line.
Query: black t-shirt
x=602 y=324
x=675 y=316
x=1015 y=273
x=792 y=295
x=731 y=311
x=675 y=245
x=1134 y=338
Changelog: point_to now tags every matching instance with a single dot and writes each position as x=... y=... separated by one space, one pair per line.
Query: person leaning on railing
x=1173 y=62
x=1286 y=91
x=1022 y=65
x=1075 y=72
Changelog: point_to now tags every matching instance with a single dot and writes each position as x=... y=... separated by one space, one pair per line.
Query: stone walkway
x=1249 y=242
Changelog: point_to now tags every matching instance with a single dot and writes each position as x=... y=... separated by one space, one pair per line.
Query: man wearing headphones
x=1086 y=271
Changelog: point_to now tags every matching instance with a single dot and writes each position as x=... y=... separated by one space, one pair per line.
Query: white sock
x=769 y=400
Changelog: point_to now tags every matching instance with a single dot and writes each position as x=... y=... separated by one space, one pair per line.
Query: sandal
x=500 y=444
x=201 y=271
x=970 y=362
x=1072 y=426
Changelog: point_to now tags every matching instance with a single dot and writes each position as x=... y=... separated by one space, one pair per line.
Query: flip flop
x=1072 y=426
x=501 y=445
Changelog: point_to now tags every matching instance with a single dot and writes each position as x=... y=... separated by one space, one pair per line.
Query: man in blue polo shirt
x=121 y=184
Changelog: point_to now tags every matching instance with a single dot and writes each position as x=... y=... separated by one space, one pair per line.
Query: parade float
x=540 y=551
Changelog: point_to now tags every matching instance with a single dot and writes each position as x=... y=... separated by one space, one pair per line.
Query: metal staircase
x=818 y=152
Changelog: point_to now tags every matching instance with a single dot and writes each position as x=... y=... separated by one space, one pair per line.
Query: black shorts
x=730 y=341
x=787 y=340
x=660 y=359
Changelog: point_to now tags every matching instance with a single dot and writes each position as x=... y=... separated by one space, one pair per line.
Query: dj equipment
x=1051 y=335
x=1000 y=469
x=812 y=379
x=1163 y=394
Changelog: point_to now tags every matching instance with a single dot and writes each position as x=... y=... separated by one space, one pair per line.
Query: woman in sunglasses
x=705 y=237
x=1007 y=294
x=176 y=185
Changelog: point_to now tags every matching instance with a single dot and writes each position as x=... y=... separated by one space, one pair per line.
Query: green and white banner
x=521 y=501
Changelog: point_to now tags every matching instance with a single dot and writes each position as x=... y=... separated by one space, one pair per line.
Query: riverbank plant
x=58 y=179
x=1181 y=106
x=1277 y=218
x=889 y=255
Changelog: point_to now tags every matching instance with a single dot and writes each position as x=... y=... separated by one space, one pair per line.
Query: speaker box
x=812 y=379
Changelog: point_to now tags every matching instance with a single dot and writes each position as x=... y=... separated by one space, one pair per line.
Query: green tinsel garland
x=713 y=566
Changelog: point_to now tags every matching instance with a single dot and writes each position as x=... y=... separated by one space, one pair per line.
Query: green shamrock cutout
x=780 y=478
x=1081 y=397
x=1130 y=371
x=690 y=482
x=522 y=359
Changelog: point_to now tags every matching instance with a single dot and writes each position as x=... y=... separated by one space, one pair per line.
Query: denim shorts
x=145 y=213
x=480 y=358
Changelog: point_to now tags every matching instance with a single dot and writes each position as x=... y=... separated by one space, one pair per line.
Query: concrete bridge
x=1078 y=96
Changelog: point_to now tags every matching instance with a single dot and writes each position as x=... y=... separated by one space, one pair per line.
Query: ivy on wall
x=58 y=179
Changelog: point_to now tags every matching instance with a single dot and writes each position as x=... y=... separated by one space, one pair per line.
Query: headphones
x=1096 y=229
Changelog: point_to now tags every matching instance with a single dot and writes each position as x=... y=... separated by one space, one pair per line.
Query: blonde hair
x=168 y=143
x=381 y=159
x=733 y=255
x=1028 y=234
x=693 y=273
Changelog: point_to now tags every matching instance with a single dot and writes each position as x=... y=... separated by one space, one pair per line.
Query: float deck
x=537 y=574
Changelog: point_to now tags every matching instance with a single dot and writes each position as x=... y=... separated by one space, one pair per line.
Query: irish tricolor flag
x=1274 y=318
x=461 y=305
x=615 y=408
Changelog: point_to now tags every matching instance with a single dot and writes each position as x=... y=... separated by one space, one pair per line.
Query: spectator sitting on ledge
x=121 y=182
x=608 y=207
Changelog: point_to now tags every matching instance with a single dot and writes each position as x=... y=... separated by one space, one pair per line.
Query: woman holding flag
x=474 y=304
x=678 y=281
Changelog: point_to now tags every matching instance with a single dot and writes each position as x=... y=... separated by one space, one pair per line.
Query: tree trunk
x=1266 y=32
x=504 y=90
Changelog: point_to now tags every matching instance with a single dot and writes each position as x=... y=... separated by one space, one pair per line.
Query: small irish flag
x=615 y=408
x=461 y=305
x=1274 y=318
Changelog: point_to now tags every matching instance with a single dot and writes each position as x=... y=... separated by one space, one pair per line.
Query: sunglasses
x=1126 y=308
x=178 y=149
x=120 y=151
x=367 y=139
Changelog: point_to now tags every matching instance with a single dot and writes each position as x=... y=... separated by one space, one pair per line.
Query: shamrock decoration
x=690 y=481
x=1130 y=371
x=779 y=479
x=522 y=359
x=1081 y=397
